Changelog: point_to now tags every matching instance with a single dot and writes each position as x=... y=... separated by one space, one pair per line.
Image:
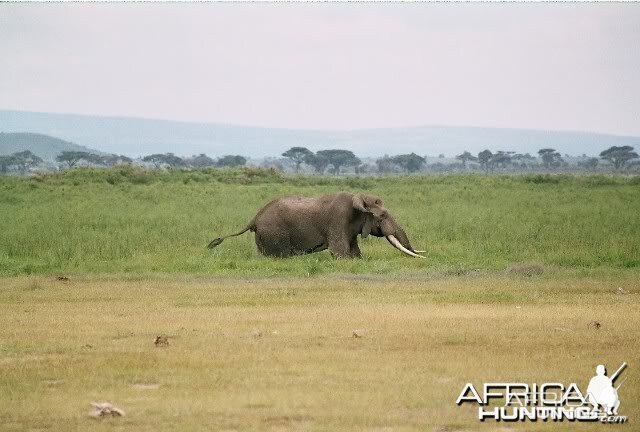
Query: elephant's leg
x=272 y=242
x=340 y=245
x=355 y=249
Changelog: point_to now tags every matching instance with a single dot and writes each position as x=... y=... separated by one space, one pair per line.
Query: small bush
x=541 y=179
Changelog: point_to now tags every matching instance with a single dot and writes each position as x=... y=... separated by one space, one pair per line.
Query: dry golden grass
x=279 y=354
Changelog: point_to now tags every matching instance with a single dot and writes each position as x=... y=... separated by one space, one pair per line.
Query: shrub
x=541 y=179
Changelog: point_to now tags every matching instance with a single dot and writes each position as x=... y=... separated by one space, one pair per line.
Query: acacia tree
x=298 y=155
x=485 y=157
x=501 y=159
x=201 y=161
x=409 y=162
x=318 y=161
x=523 y=160
x=339 y=158
x=619 y=156
x=26 y=160
x=168 y=159
x=550 y=158
x=386 y=164
x=231 y=161
x=71 y=158
x=22 y=161
x=466 y=157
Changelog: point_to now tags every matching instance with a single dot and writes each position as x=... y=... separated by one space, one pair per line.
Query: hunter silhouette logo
x=601 y=392
x=548 y=401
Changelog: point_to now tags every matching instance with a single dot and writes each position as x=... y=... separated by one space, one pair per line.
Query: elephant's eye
x=377 y=202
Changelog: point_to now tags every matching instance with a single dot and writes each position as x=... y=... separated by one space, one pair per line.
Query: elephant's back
x=299 y=203
x=295 y=204
x=290 y=210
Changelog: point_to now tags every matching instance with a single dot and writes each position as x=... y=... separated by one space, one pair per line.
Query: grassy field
x=128 y=221
x=279 y=354
x=268 y=344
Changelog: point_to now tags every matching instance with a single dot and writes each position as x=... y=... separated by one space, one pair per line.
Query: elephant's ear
x=358 y=203
x=368 y=224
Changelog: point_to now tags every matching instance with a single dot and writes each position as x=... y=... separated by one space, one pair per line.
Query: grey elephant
x=298 y=225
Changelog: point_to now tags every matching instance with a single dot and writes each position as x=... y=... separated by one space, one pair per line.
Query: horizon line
x=332 y=130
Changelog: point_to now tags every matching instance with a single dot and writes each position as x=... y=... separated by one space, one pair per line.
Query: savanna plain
x=529 y=278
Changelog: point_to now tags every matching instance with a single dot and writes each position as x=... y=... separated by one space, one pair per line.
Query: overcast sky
x=329 y=66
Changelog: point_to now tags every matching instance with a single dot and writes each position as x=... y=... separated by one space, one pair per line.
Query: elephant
x=296 y=225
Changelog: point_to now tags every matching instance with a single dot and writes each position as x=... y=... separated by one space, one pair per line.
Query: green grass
x=133 y=221
x=267 y=354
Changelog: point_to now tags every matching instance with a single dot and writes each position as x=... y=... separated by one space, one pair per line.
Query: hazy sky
x=342 y=66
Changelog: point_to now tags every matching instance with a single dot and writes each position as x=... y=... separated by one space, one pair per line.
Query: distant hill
x=136 y=136
x=44 y=146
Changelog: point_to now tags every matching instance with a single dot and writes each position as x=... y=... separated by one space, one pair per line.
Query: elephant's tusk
x=417 y=251
x=394 y=241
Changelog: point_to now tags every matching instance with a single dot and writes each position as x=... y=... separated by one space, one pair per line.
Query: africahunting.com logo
x=548 y=401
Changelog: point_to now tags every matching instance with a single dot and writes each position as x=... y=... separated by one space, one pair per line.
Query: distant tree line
x=551 y=160
x=547 y=159
x=338 y=161
x=72 y=158
x=158 y=160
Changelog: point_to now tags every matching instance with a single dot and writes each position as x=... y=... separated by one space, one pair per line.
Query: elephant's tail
x=217 y=241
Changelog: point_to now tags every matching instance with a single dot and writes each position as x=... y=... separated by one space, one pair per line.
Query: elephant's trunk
x=398 y=238
x=395 y=242
x=402 y=238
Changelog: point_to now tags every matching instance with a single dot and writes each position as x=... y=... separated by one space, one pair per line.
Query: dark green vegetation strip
x=127 y=220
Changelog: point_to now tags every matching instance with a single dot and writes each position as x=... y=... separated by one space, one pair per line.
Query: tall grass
x=126 y=220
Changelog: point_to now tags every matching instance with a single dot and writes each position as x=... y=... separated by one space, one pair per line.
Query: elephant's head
x=378 y=222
